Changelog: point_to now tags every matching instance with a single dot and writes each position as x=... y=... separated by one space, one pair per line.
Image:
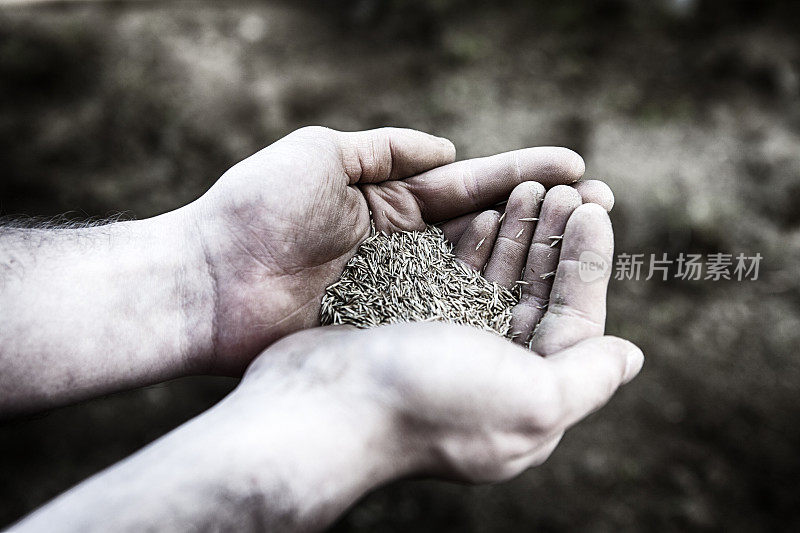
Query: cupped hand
x=457 y=402
x=278 y=227
x=442 y=400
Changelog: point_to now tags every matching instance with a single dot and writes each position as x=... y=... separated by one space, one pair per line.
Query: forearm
x=89 y=311
x=292 y=465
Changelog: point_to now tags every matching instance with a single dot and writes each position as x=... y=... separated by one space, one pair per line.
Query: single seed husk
x=414 y=276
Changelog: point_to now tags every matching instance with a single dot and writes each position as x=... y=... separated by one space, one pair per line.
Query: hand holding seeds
x=452 y=401
x=498 y=277
x=206 y=287
x=440 y=399
x=280 y=226
x=326 y=414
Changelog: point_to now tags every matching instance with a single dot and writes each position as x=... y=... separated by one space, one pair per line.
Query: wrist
x=312 y=453
x=178 y=270
x=204 y=238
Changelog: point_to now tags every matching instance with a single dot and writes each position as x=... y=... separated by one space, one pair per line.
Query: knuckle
x=546 y=451
x=540 y=458
x=545 y=408
x=375 y=156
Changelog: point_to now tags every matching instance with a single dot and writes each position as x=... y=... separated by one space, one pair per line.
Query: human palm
x=456 y=402
x=279 y=227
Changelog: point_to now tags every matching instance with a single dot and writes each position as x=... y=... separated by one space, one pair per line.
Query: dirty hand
x=429 y=399
x=278 y=227
x=203 y=289
x=327 y=414
x=463 y=403
x=541 y=242
x=443 y=400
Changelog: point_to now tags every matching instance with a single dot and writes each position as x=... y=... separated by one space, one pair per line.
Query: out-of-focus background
x=690 y=109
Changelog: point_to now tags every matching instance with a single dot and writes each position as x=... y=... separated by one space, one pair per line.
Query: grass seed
x=414 y=276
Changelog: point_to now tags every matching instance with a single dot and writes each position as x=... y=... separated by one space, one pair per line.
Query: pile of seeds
x=414 y=276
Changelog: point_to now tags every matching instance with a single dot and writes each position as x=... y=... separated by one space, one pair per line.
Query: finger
x=591 y=191
x=596 y=192
x=474 y=184
x=391 y=153
x=558 y=205
x=475 y=246
x=514 y=239
x=453 y=229
x=577 y=306
x=588 y=373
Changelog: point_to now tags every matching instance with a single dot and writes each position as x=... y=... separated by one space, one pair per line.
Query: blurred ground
x=689 y=109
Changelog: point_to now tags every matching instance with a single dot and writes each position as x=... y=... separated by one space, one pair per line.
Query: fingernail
x=633 y=364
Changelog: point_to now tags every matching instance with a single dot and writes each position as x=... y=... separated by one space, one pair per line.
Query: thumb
x=374 y=156
x=589 y=373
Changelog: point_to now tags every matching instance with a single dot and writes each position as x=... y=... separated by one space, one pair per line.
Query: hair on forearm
x=65 y=221
x=19 y=232
x=22 y=235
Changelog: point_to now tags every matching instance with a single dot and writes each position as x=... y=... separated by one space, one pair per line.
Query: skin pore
x=232 y=282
